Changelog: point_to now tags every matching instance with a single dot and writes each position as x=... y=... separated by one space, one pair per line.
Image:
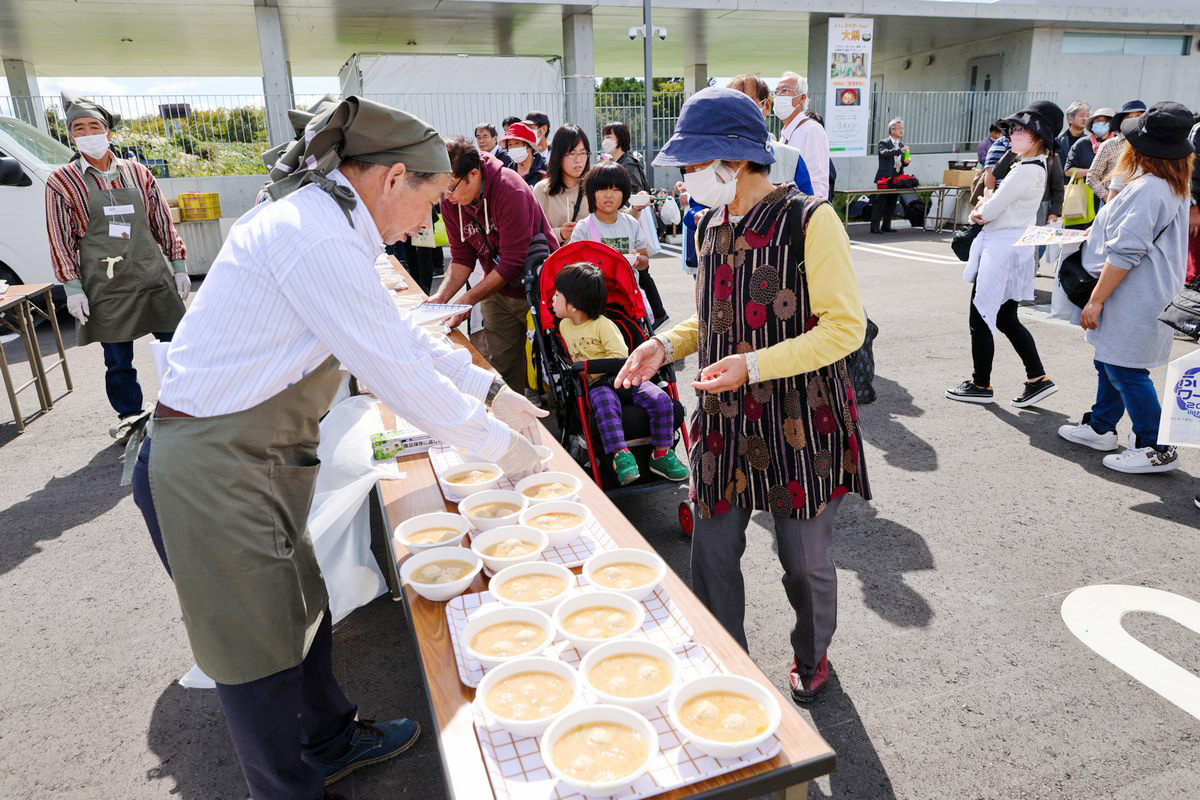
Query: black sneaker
x=967 y=392
x=1035 y=392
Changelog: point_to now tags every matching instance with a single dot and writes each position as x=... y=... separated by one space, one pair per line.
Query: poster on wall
x=848 y=99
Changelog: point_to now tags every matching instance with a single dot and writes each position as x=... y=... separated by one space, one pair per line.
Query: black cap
x=1132 y=106
x=1042 y=117
x=1162 y=132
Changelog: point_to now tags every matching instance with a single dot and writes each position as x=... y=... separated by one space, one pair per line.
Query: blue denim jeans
x=1122 y=389
x=120 y=377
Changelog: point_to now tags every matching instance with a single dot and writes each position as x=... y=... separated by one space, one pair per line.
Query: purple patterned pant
x=607 y=407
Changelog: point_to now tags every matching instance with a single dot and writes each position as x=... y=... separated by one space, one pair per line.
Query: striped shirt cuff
x=476 y=381
x=499 y=439
x=752 y=373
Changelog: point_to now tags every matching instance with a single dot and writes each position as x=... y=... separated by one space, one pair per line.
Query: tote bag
x=1180 y=420
x=1079 y=206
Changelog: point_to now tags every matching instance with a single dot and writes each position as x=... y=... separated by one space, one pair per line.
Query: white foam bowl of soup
x=728 y=726
x=527 y=694
x=418 y=572
x=505 y=634
x=472 y=476
x=629 y=571
x=546 y=487
x=592 y=618
x=427 y=531
x=562 y=520
x=630 y=673
x=509 y=544
x=599 y=750
x=493 y=508
x=528 y=585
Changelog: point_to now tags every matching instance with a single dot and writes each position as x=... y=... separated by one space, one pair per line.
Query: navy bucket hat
x=717 y=123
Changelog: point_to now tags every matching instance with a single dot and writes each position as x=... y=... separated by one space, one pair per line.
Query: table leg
x=62 y=353
x=12 y=395
x=797 y=792
x=31 y=352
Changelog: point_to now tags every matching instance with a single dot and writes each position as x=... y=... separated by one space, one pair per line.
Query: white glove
x=77 y=304
x=518 y=413
x=183 y=285
x=520 y=459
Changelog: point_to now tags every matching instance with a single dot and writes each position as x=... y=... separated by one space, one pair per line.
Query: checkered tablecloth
x=517 y=771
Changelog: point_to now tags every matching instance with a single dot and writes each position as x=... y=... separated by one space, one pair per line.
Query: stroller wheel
x=686 y=521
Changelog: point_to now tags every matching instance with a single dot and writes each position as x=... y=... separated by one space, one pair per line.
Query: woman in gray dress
x=1137 y=248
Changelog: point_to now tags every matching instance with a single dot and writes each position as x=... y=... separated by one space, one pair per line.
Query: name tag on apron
x=119 y=230
x=116 y=211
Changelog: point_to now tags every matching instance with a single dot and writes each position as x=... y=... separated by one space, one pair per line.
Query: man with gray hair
x=893 y=157
x=801 y=132
x=1077 y=117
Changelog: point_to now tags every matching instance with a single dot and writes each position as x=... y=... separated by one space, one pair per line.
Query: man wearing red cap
x=519 y=146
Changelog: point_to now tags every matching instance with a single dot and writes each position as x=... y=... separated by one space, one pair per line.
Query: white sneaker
x=1143 y=459
x=1086 y=435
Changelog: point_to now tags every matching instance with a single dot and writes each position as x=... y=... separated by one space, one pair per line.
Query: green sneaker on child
x=668 y=466
x=625 y=465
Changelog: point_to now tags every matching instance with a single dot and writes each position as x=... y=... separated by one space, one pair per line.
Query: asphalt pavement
x=954 y=675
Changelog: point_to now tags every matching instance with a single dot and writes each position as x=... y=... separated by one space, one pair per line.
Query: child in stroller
x=579 y=299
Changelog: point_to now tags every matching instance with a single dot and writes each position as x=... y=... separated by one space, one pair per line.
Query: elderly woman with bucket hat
x=226 y=479
x=778 y=312
x=1001 y=275
x=111 y=238
x=1137 y=251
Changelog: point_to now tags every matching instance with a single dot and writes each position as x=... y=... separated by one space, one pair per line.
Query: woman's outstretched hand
x=642 y=364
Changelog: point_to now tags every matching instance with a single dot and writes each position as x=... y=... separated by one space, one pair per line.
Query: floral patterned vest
x=786 y=446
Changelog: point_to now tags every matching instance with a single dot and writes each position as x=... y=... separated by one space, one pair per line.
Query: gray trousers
x=809 y=578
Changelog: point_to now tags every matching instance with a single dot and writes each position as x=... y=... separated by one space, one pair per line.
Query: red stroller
x=568 y=382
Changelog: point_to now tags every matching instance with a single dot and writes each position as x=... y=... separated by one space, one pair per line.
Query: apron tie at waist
x=161 y=410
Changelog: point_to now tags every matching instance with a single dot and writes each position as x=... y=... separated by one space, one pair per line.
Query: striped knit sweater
x=67 y=210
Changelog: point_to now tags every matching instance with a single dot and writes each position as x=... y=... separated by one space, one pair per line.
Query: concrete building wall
x=1110 y=80
x=950 y=70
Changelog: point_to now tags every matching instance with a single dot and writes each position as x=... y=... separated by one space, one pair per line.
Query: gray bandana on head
x=299 y=120
x=75 y=107
x=363 y=130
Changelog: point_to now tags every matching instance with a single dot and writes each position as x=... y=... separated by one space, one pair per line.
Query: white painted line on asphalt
x=948 y=258
x=907 y=255
x=1093 y=614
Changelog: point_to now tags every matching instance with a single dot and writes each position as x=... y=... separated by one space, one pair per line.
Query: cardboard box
x=959 y=177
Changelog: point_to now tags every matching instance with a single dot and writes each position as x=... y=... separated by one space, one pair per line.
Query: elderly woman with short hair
x=893 y=158
x=777 y=426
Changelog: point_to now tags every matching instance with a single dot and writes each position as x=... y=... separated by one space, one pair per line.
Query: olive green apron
x=128 y=284
x=232 y=494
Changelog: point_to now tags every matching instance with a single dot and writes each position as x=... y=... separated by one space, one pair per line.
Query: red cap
x=521 y=132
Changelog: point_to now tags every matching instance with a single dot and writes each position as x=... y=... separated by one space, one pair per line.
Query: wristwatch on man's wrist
x=493 y=390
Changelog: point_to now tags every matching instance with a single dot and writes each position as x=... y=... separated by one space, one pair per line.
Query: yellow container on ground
x=199 y=206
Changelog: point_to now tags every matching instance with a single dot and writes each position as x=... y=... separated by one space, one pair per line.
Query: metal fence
x=190 y=135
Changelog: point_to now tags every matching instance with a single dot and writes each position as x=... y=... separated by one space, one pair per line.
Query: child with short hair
x=579 y=297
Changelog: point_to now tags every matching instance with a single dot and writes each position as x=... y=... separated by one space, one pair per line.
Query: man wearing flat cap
x=111 y=237
x=226 y=478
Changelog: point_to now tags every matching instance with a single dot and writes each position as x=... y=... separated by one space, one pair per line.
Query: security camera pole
x=647 y=36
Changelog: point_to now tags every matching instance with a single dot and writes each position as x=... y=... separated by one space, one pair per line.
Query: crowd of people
x=1133 y=171
x=252 y=365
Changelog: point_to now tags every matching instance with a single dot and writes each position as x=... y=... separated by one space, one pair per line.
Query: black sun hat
x=1042 y=117
x=1162 y=132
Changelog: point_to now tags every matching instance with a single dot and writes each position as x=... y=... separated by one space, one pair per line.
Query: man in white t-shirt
x=802 y=133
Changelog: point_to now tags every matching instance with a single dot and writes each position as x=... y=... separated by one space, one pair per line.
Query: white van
x=27 y=157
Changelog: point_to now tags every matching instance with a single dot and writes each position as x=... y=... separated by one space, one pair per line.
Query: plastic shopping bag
x=1079 y=206
x=1180 y=420
x=1061 y=306
x=669 y=213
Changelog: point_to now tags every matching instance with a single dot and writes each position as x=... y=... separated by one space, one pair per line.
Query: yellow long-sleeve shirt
x=835 y=301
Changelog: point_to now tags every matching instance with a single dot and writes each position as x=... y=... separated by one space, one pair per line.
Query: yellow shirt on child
x=596 y=338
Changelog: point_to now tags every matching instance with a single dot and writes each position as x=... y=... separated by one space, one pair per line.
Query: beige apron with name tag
x=129 y=286
x=233 y=494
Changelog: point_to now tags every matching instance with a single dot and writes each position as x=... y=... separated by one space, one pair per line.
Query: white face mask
x=713 y=186
x=608 y=145
x=782 y=107
x=93 y=146
x=518 y=154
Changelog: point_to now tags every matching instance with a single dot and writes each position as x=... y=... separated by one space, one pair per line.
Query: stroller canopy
x=623 y=291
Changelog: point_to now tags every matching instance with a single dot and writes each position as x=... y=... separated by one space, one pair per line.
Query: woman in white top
x=1002 y=275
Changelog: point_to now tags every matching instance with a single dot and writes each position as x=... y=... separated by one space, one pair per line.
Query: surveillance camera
x=662 y=33
x=633 y=33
